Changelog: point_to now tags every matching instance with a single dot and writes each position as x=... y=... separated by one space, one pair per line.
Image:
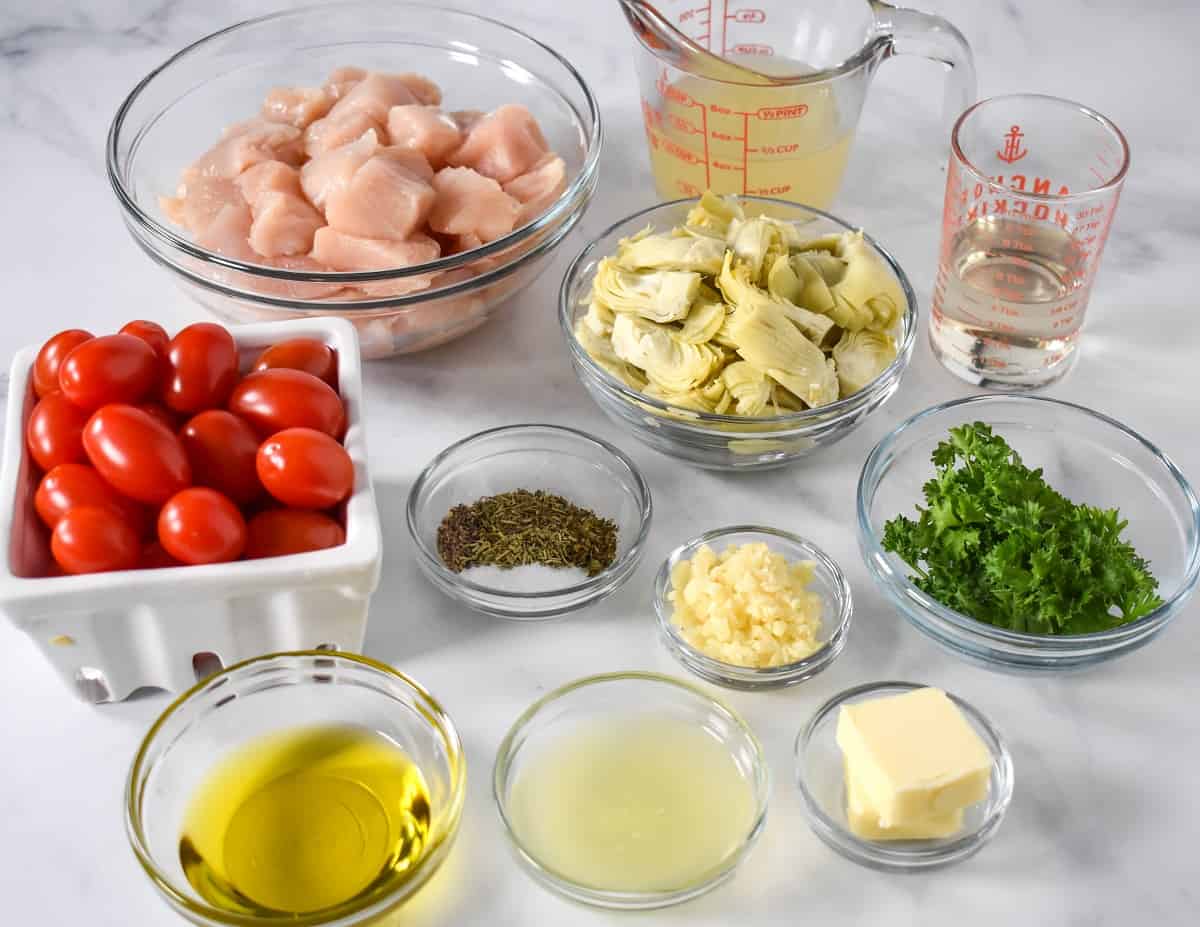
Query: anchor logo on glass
x=1012 y=150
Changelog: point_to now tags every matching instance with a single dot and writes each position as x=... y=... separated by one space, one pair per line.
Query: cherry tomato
x=72 y=485
x=50 y=358
x=155 y=558
x=138 y=455
x=307 y=354
x=111 y=368
x=272 y=400
x=92 y=539
x=202 y=368
x=201 y=525
x=54 y=433
x=221 y=449
x=276 y=532
x=150 y=332
x=305 y=468
x=160 y=412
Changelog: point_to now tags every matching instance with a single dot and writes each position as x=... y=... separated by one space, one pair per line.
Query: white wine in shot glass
x=1031 y=188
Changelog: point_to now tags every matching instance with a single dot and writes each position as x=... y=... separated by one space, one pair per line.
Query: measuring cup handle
x=915 y=33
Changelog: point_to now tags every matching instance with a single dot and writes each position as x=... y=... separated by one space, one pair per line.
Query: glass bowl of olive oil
x=309 y=788
x=631 y=790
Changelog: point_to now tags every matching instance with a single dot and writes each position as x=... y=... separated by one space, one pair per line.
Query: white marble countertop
x=1101 y=830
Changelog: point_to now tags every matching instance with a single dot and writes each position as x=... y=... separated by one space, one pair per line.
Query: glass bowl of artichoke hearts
x=738 y=332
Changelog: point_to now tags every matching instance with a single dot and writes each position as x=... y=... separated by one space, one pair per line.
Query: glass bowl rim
x=561 y=207
x=844 y=603
x=901 y=586
x=430 y=558
x=431 y=711
x=884 y=852
x=697 y=419
x=622 y=899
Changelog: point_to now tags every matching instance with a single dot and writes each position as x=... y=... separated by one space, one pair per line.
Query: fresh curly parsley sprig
x=995 y=542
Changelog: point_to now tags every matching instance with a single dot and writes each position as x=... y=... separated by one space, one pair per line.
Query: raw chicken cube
x=539 y=187
x=374 y=95
x=383 y=200
x=352 y=252
x=465 y=119
x=425 y=129
x=412 y=161
x=334 y=169
x=340 y=82
x=228 y=234
x=198 y=200
x=333 y=131
x=502 y=145
x=283 y=224
x=268 y=177
x=425 y=90
x=470 y=204
x=297 y=106
x=248 y=143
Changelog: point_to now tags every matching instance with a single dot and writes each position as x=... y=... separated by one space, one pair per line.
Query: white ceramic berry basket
x=108 y=634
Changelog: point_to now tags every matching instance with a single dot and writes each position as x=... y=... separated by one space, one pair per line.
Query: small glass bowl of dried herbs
x=529 y=521
x=1028 y=534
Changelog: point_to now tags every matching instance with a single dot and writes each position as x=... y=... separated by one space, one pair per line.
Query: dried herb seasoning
x=521 y=527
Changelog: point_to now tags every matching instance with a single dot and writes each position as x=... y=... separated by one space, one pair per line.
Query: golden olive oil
x=643 y=804
x=305 y=820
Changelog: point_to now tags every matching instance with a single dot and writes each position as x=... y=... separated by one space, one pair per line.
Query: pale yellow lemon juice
x=787 y=141
x=644 y=804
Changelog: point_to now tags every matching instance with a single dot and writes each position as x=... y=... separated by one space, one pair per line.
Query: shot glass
x=1031 y=188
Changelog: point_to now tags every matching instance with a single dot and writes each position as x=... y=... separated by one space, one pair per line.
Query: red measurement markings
x=745 y=149
x=772 y=113
x=672 y=93
x=702 y=17
x=753 y=48
x=746 y=15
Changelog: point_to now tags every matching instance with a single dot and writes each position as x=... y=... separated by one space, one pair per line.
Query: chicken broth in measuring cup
x=790 y=141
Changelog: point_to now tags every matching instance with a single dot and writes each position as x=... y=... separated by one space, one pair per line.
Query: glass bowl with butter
x=750 y=607
x=308 y=788
x=902 y=777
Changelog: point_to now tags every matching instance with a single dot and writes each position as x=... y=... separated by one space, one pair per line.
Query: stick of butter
x=864 y=819
x=914 y=755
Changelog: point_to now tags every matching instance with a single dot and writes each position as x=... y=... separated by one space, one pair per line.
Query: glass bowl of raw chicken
x=406 y=167
x=740 y=332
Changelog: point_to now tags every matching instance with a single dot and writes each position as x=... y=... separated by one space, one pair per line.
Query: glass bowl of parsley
x=1028 y=534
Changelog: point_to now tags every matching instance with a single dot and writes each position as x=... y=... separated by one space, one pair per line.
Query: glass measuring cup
x=763 y=96
x=1031 y=188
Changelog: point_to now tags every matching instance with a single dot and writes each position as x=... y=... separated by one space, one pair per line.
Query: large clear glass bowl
x=1087 y=456
x=177 y=111
x=726 y=442
x=265 y=696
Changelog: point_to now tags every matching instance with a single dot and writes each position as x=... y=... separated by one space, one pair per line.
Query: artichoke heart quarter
x=862 y=356
x=714 y=213
x=660 y=295
x=766 y=337
x=868 y=285
x=699 y=254
x=672 y=365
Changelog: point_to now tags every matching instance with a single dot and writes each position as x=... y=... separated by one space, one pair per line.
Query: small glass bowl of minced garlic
x=316 y=787
x=750 y=607
x=529 y=521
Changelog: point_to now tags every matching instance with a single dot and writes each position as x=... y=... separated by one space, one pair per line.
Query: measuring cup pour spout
x=763 y=96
